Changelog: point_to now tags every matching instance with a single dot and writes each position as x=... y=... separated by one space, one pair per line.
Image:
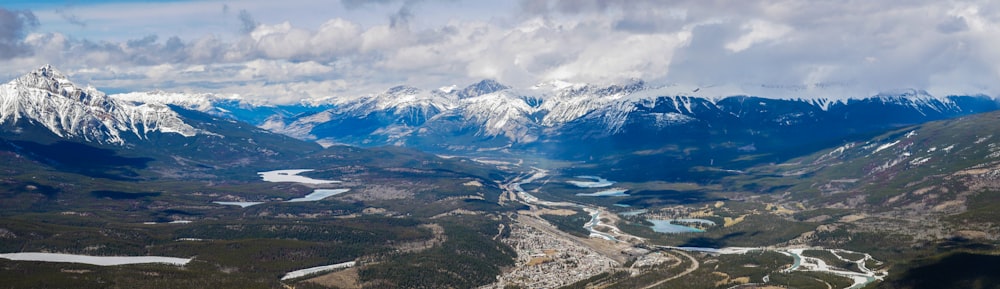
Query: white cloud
x=321 y=51
x=757 y=31
x=336 y=36
x=270 y=70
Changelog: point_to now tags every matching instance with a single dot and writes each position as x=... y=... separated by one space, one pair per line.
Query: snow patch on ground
x=919 y=161
x=318 y=194
x=314 y=270
x=885 y=146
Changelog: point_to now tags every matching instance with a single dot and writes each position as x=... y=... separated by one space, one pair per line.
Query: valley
x=615 y=248
x=212 y=200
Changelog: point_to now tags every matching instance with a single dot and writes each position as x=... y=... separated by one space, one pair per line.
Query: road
x=694 y=266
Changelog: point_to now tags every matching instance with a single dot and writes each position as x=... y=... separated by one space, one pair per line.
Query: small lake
x=94 y=260
x=292 y=176
x=633 y=213
x=597 y=182
x=318 y=194
x=241 y=204
x=171 y=222
x=607 y=193
x=666 y=226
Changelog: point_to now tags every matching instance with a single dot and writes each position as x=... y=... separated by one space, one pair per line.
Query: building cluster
x=546 y=261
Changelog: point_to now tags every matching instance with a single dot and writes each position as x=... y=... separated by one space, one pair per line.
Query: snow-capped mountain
x=675 y=124
x=575 y=101
x=500 y=113
x=488 y=110
x=46 y=98
x=203 y=102
x=46 y=117
x=486 y=86
x=643 y=127
x=264 y=115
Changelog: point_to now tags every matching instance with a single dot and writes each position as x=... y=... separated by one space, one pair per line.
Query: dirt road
x=694 y=266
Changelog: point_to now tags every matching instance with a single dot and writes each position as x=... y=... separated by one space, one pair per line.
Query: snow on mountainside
x=491 y=108
x=413 y=105
x=919 y=100
x=559 y=111
x=487 y=110
x=575 y=101
x=200 y=102
x=499 y=113
x=47 y=98
x=486 y=86
x=300 y=127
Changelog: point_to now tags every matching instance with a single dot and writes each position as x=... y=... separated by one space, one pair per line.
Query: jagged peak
x=613 y=90
x=47 y=97
x=486 y=86
x=50 y=79
x=48 y=73
x=402 y=89
x=628 y=87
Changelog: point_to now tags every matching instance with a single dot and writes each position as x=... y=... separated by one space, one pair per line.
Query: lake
x=665 y=226
x=94 y=260
x=633 y=213
x=598 y=182
x=241 y=204
x=291 y=176
x=607 y=193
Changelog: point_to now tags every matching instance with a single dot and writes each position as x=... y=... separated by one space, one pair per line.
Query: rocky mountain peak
x=46 y=97
x=483 y=87
x=48 y=78
x=402 y=89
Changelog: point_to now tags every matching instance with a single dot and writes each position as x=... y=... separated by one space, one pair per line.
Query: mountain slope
x=562 y=113
x=932 y=190
x=638 y=130
x=46 y=117
x=46 y=98
x=932 y=167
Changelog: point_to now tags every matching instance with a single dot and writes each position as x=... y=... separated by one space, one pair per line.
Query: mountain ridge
x=46 y=116
x=47 y=98
x=620 y=123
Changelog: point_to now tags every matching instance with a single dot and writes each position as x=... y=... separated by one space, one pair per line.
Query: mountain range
x=656 y=131
x=45 y=116
x=159 y=173
x=640 y=130
x=45 y=98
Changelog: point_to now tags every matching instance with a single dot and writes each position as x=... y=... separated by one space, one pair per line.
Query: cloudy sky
x=287 y=50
